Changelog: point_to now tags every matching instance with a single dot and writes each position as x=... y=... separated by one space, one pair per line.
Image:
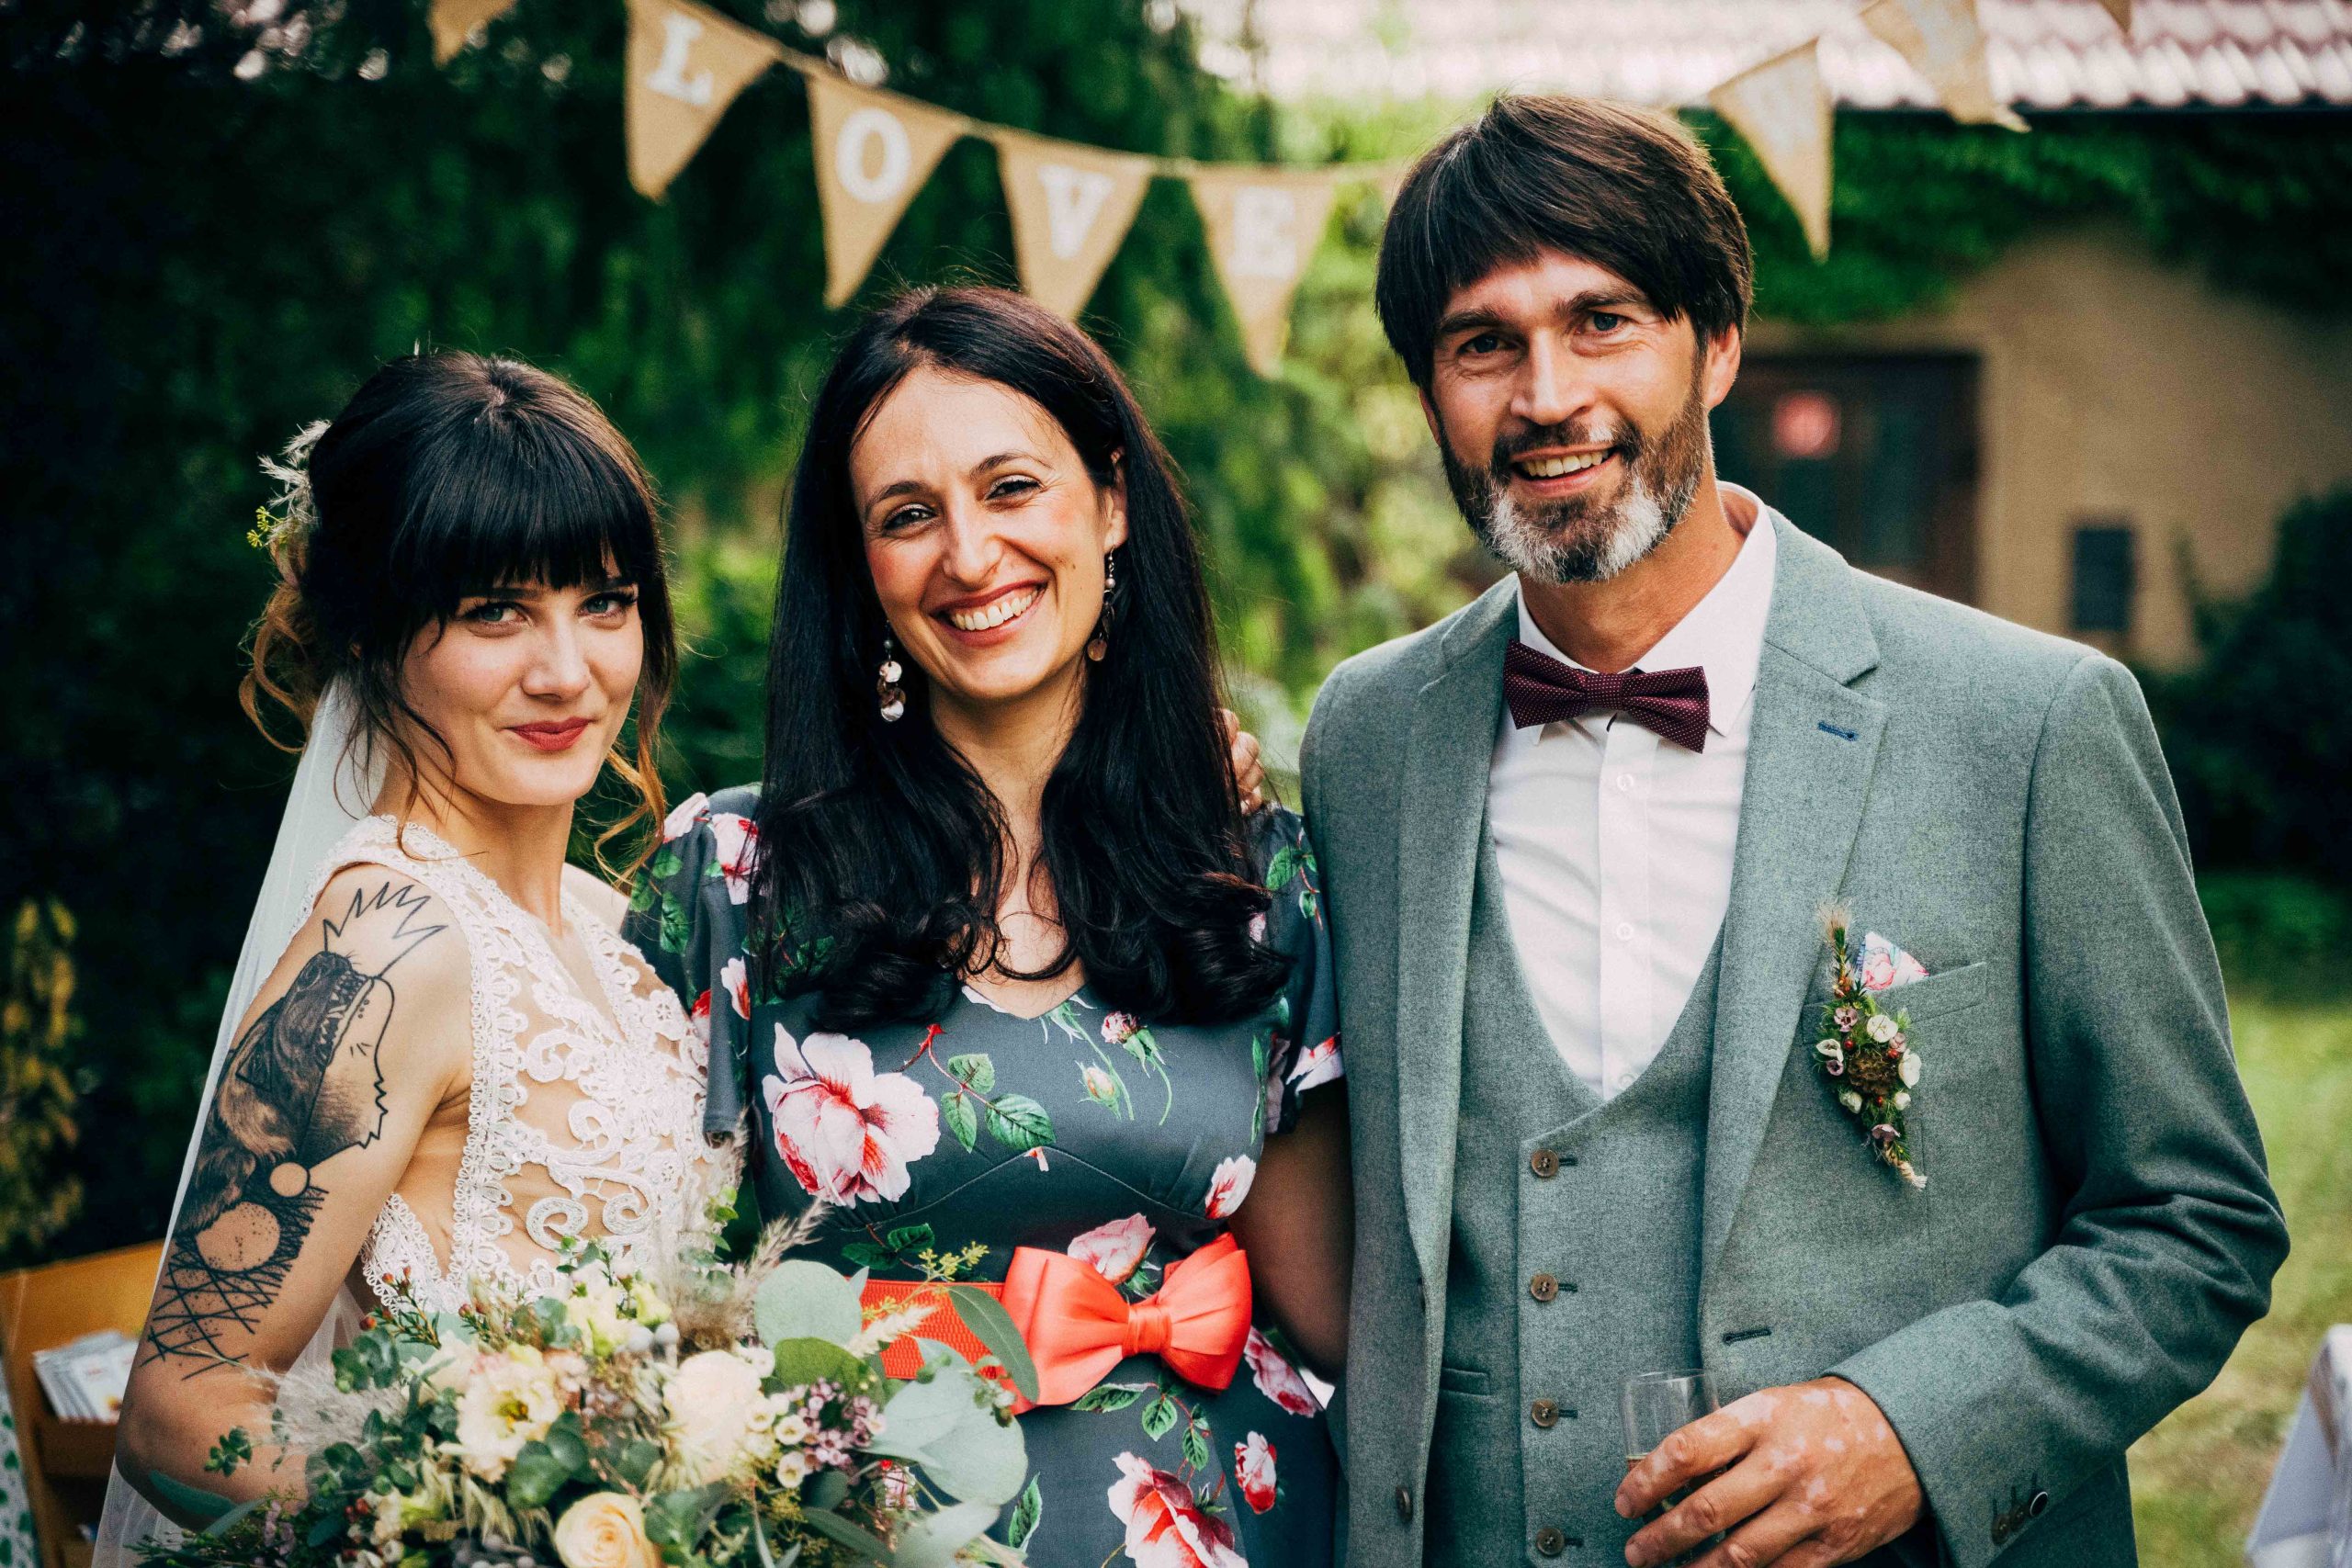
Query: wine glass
x=1657 y=1405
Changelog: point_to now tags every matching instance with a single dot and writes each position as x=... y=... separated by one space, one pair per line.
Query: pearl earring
x=890 y=696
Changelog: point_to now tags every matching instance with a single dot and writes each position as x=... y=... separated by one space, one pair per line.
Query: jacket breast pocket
x=1940 y=995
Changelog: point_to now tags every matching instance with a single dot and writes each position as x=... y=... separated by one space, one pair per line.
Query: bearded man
x=1954 y=1193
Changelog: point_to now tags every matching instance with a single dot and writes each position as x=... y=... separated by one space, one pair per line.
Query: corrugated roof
x=2043 y=54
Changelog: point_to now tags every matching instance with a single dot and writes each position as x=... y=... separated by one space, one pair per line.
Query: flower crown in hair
x=292 y=506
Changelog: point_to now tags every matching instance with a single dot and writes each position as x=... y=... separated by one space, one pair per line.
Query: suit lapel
x=1812 y=746
x=1444 y=804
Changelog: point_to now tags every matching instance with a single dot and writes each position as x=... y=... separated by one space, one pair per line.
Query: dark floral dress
x=1125 y=1145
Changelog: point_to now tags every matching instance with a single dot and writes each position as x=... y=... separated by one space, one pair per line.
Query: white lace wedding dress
x=586 y=1119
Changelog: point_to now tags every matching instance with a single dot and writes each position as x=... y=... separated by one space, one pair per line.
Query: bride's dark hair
x=881 y=854
x=447 y=474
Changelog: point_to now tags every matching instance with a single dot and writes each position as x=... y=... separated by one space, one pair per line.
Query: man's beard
x=1578 y=538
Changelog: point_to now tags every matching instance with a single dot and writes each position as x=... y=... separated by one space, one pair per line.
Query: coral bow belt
x=1078 y=1326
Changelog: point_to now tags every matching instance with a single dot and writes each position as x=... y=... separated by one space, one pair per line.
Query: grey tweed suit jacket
x=2097 y=1228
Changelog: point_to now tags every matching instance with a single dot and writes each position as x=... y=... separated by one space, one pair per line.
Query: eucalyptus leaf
x=806 y=1300
x=994 y=1328
x=192 y=1501
x=824 y=1490
x=804 y=1360
x=948 y=1426
x=932 y=1540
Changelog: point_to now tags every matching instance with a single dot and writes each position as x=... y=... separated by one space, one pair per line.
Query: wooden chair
x=66 y=1462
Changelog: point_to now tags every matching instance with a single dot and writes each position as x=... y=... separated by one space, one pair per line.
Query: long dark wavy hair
x=882 y=857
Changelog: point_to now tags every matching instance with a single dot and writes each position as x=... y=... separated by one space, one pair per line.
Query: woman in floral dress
x=1005 y=976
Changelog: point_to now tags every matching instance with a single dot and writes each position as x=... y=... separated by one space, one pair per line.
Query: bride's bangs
x=507 y=505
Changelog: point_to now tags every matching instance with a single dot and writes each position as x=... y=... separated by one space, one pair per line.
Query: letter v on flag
x=1071 y=206
x=686 y=66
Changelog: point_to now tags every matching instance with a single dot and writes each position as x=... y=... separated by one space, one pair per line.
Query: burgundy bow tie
x=1540 y=689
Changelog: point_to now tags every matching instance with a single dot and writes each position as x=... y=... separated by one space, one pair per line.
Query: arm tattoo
x=304 y=1084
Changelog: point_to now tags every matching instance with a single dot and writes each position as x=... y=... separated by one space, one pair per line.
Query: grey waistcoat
x=1616 y=1226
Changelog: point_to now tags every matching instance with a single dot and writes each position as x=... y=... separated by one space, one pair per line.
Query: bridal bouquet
x=719 y=1416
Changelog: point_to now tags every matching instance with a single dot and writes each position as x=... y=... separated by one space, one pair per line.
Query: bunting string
x=1072 y=204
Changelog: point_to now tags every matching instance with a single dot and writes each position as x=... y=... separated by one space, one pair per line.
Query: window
x=1875 y=454
x=2106 y=577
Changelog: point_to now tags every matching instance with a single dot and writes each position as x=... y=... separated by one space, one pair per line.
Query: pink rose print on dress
x=1253 y=1469
x=1166 y=1527
x=737 y=977
x=1230 y=1185
x=847 y=1132
x=1275 y=1378
x=684 y=816
x=1885 y=965
x=1115 y=1250
x=736 y=841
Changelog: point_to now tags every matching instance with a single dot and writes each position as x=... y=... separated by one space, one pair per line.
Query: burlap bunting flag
x=1783 y=109
x=1071 y=206
x=453 y=21
x=1264 y=226
x=1942 y=41
x=874 y=151
x=2121 y=11
x=686 y=66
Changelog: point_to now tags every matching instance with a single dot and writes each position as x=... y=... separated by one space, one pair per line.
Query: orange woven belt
x=903 y=1358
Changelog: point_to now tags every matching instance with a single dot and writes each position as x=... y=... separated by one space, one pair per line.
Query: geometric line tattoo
x=304 y=1084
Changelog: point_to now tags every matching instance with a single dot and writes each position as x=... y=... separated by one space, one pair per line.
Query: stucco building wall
x=2114 y=387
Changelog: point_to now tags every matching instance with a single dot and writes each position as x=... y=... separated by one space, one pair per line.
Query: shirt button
x=1404 y=1505
x=1544 y=1412
x=1545 y=1163
x=1625 y=930
x=1625 y=783
x=1550 y=1542
x=1543 y=1287
x=1624 y=1080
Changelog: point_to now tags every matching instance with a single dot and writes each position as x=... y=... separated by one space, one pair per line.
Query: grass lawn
x=2198 y=1478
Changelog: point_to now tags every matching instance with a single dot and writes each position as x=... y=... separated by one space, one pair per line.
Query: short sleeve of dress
x=690 y=916
x=1305 y=1050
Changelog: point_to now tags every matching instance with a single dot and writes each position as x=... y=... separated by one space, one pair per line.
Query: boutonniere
x=1866 y=1050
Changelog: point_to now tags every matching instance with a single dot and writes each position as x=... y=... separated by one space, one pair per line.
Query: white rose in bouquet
x=713 y=1400
x=604 y=1529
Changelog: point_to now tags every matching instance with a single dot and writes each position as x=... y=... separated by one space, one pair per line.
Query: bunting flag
x=1071 y=206
x=1783 y=109
x=686 y=66
x=874 y=151
x=1942 y=41
x=2121 y=11
x=453 y=21
x=1263 y=225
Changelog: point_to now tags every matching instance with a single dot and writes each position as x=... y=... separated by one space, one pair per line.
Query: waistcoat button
x=1543 y=1287
x=1550 y=1542
x=1544 y=1412
x=1545 y=1163
x=1404 y=1505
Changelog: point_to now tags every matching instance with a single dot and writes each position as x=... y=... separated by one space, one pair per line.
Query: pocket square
x=1885 y=965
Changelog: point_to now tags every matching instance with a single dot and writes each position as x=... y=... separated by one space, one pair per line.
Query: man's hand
x=1248 y=773
x=1810 y=1476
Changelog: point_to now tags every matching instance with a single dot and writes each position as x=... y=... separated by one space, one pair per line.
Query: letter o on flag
x=880 y=128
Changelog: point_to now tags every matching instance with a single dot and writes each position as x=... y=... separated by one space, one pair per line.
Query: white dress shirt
x=1615 y=846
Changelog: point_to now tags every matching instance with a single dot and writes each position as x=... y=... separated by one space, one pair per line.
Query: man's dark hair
x=1621 y=188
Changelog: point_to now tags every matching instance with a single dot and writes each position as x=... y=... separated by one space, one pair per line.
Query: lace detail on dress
x=581 y=1122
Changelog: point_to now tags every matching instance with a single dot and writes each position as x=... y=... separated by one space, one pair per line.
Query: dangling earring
x=892 y=699
x=1100 y=642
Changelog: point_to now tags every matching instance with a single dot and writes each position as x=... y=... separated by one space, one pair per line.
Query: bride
x=440 y=1061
